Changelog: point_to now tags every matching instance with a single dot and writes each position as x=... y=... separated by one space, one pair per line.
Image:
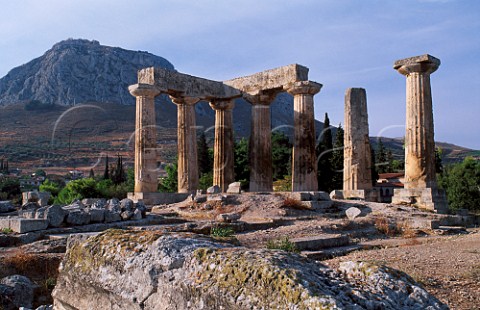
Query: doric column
x=223 y=173
x=145 y=138
x=357 y=173
x=419 y=140
x=304 y=176
x=260 y=146
x=187 y=144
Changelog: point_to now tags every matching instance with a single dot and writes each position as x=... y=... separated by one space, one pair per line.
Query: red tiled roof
x=391 y=175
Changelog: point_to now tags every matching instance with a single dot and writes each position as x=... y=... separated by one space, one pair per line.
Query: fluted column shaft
x=260 y=145
x=419 y=135
x=223 y=173
x=304 y=176
x=145 y=138
x=187 y=144
x=357 y=173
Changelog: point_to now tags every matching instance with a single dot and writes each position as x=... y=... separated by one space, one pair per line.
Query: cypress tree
x=204 y=162
x=337 y=159
x=324 y=154
x=106 y=174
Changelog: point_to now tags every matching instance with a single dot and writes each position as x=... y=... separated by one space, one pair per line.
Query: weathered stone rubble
x=151 y=270
x=85 y=212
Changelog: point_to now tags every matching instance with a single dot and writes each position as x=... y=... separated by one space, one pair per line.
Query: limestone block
x=6 y=206
x=112 y=216
x=96 y=215
x=78 y=217
x=214 y=190
x=234 y=188
x=228 y=217
x=55 y=215
x=21 y=225
x=352 y=213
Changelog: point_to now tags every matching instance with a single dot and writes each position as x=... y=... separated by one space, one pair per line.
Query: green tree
x=324 y=151
x=49 y=186
x=10 y=188
x=241 y=164
x=205 y=162
x=169 y=184
x=462 y=184
x=118 y=173
x=374 y=170
x=281 y=155
x=78 y=189
x=106 y=173
x=438 y=160
x=381 y=158
x=337 y=159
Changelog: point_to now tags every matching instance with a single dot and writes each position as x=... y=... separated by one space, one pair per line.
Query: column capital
x=222 y=104
x=303 y=87
x=184 y=100
x=420 y=64
x=147 y=90
x=262 y=98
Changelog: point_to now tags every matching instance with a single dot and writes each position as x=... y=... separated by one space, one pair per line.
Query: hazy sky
x=345 y=43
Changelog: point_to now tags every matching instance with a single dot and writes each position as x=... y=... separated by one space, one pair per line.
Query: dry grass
x=294 y=204
x=382 y=224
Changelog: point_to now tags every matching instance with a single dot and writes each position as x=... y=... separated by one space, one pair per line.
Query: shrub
x=283 y=244
x=222 y=232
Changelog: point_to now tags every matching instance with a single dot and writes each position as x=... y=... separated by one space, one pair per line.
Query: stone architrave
x=304 y=164
x=357 y=173
x=420 y=180
x=223 y=173
x=260 y=146
x=187 y=144
x=145 y=138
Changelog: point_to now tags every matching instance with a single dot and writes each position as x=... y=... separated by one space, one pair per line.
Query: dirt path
x=449 y=267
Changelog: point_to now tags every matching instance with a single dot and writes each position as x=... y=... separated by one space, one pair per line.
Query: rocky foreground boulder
x=121 y=269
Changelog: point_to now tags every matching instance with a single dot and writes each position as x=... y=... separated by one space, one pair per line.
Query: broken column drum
x=357 y=173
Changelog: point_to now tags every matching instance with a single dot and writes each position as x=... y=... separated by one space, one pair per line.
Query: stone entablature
x=260 y=90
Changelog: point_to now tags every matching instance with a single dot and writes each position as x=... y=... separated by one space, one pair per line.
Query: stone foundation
x=157 y=198
x=362 y=194
x=432 y=199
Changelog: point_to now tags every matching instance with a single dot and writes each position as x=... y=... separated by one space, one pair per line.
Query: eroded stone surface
x=357 y=174
x=150 y=270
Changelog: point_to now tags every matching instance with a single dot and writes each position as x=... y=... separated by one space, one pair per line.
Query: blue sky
x=345 y=43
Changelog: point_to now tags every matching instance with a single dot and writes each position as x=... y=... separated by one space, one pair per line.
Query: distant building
x=387 y=182
x=76 y=174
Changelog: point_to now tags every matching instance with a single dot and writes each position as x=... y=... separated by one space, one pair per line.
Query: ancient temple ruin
x=260 y=90
x=420 y=179
x=357 y=170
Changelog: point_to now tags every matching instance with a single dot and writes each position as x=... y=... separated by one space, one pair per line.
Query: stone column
x=260 y=146
x=357 y=173
x=145 y=138
x=304 y=165
x=223 y=173
x=419 y=140
x=187 y=144
x=420 y=181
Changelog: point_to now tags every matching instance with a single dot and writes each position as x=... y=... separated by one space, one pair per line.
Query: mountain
x=75 y=71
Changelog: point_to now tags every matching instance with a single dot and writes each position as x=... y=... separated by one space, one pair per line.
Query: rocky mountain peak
x=78 y=70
